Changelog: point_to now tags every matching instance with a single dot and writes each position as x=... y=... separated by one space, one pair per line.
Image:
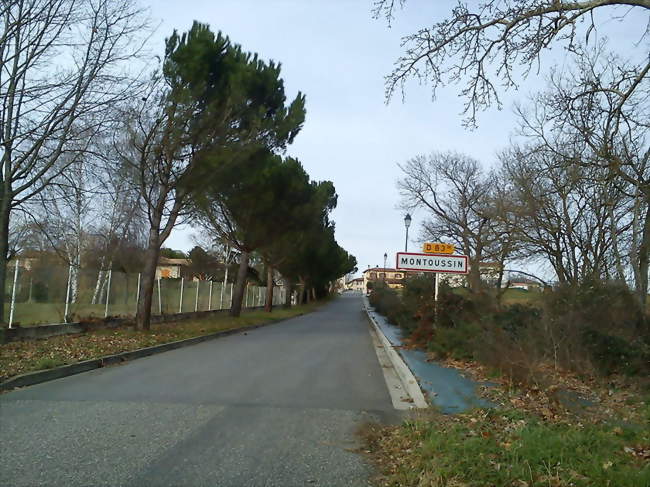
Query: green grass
x=123 y=305
x=512 y=449
x=521 y=296
x=48 y=363
x=21 y=357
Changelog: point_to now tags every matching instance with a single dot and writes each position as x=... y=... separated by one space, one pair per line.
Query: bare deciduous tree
x=563 y=212
x=455 y=193
x=489 y=42
x=62 y=64
x=581 y=120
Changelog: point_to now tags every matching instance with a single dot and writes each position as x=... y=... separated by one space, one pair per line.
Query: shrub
x=517 y=318
x=612 y=354
x=458 y=342
x=595 y=326
x=387 y=302
x=591 y=327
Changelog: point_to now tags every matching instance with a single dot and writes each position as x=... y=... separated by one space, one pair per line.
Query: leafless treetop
x=488 y=44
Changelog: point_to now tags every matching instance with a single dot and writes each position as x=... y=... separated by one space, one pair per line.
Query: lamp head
x=407 y=220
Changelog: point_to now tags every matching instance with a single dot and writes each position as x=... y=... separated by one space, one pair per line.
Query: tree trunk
x=613 y=230
x=98 y=283
x=474 y=276
x=147 y=281
x=644 y=257
x=4 y=246
x=287 y=292
x=240 y=284
x=74 y=282
x=300 y=292
x=268 y=306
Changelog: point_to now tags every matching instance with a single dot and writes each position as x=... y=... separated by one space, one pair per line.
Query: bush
x=458 y=342
x=516 y=319
x=387 y=302
x=596 y=326
x=592 y=327
x=612 y=354
x=40 y=292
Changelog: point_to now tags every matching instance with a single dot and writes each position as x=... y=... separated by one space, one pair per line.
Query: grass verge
x=509 y=448
x=21 y=357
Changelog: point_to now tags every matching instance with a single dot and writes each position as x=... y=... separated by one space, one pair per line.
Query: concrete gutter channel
x=445 y=388
x=32 y=378
x=409 y=383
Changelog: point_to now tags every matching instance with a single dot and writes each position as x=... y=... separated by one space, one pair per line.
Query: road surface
x=278 y=406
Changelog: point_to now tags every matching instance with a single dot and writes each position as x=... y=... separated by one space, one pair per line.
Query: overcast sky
x=338 y=55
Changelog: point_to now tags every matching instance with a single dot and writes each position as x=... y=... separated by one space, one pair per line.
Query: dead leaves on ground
x=21 y=357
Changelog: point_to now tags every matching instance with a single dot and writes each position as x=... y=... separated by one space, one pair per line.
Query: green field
x=122 y=305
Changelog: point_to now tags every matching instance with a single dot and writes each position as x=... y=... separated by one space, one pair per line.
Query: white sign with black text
x=445 y=263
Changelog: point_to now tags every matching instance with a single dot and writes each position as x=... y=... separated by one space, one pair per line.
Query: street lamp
x=385 y=257
x=407 y=224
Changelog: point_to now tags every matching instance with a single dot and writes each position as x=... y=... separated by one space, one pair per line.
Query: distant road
x=278 y=406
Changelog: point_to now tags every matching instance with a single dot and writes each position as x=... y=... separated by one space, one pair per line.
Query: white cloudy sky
x=337 y=54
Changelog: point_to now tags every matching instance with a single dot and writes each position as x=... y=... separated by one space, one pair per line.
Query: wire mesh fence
x=57 y=294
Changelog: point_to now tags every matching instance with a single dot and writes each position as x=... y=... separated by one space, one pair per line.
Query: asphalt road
x=278 y=406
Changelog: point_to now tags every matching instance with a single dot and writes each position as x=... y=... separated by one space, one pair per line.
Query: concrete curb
x=406 y=377
x=39 y=376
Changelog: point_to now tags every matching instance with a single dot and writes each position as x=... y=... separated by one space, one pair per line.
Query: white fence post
x=224 y=284
x=13 y=293
x=159 y=300
x=67 y=295
x=210 y=298
x=108 y=292
x=180 y=304
x=196 y=301
x=246 y=298
x=137 y=295
x=231 y=285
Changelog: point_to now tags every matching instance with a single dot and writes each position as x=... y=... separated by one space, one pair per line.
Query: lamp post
x=407 y=224
x=385 y=257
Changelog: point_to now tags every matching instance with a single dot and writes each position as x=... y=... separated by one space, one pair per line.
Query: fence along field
x=56 y=294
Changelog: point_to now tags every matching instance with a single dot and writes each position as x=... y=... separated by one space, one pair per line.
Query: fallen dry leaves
x=20 y=357
x=616 y=398
x=402 y=460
